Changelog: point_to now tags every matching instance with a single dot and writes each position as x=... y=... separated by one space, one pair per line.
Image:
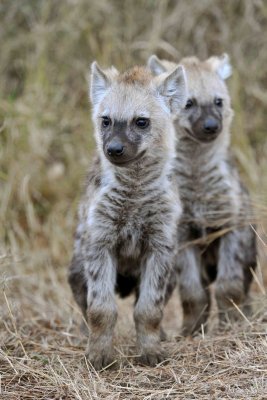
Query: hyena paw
x=196 y=313
x=230 y=297
x=192 y=328
x=163 y=335
x=84 y=329
x=228 y=291
x=152 y=358
x=100 y=359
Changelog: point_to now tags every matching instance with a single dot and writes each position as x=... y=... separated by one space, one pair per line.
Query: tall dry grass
x=45 y=146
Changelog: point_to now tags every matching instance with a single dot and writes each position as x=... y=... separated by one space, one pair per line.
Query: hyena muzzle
x=217 y=242
x=127 y=236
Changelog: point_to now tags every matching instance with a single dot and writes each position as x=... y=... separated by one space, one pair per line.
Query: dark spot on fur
x=94 y=274
x=158 y=301
x=238 y=258
x=97 y=181
x=161 y=283
x=96 y=319
x=77 y=235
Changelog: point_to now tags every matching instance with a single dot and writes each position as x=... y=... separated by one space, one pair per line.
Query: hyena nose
x=115 y=148
x=210 y=125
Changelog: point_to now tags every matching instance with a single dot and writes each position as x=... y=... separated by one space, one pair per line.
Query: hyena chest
x=210 y=197
x=127 y=221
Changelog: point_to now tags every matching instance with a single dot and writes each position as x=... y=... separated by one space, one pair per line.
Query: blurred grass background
x=45 y=131
x=46 y=144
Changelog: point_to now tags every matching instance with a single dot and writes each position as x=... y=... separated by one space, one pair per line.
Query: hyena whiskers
x=126 y=236
x=214 y=200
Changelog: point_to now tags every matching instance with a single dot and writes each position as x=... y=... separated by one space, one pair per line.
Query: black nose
x=115 y=148
x=210 y=125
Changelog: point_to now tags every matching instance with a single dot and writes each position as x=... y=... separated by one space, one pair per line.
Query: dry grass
x=42 y=352
x=45 y=147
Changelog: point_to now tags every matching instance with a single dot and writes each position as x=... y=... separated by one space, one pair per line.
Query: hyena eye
x=106 y=121
x=218 y=102
x=142 y=123
x=189 y=104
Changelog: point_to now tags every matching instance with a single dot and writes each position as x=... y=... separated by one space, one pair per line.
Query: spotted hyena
x=216 y=240
x=127 y=231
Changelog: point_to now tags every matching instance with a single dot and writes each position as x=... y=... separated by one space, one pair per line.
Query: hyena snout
x=120 y=151
x=115 y=148
x=207 y=128
x=210 y=125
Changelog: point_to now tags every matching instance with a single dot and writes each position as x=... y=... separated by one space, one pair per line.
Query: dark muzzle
x=115 y=148
x=210 y=126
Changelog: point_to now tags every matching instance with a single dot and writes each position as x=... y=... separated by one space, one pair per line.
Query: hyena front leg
x=194 y=295
x=100 y=272
x=148 y=311
x=237 y=254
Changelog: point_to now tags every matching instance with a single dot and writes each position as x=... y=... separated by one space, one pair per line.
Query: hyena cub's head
x=207 y=113
x=132 y=112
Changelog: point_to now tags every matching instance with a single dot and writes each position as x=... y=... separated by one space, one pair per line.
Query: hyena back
x=216 y=239
x=127 y=232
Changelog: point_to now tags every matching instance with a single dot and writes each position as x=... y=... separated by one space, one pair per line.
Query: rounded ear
x=113 y=71
x=173 y=89
x=156 y=65
x=221 y=65
x=99 y=83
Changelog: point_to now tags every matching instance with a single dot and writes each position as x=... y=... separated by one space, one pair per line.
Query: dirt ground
x=42 y=347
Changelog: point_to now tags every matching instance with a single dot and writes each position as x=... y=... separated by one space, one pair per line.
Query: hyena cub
x=214 y=234
x=128 y=217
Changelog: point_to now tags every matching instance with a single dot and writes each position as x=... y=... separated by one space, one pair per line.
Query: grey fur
x=127 y=230
x=216 y=240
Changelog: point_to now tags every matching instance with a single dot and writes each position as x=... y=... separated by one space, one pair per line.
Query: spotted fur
x=126 y=236
x=216 y=240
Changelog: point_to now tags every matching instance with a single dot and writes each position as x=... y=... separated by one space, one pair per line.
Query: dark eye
x=189 y=104
x=142 y=123
x=106 y=121
x=218 y=102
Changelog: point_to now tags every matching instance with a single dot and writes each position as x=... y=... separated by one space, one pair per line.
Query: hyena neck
x=199 y=154
x=207 y=181
x=146 y=172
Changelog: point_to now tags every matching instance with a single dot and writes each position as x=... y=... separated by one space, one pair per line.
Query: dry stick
x=260 y=239
x=71 y=381
x=9 y=361
x=263 y=291
x=240 y=311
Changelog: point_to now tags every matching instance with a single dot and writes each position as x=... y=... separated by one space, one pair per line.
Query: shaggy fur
x=127 y=231
x=216 y=240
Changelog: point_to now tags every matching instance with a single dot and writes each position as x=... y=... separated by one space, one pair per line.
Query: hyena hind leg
x=237 y=255
x=195 y=296
x=249 y=267
x=77 y=282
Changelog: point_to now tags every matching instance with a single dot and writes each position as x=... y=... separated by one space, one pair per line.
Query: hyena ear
x=155 y=65
x=173 y=89
x=221 y=65
x=99 y=83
